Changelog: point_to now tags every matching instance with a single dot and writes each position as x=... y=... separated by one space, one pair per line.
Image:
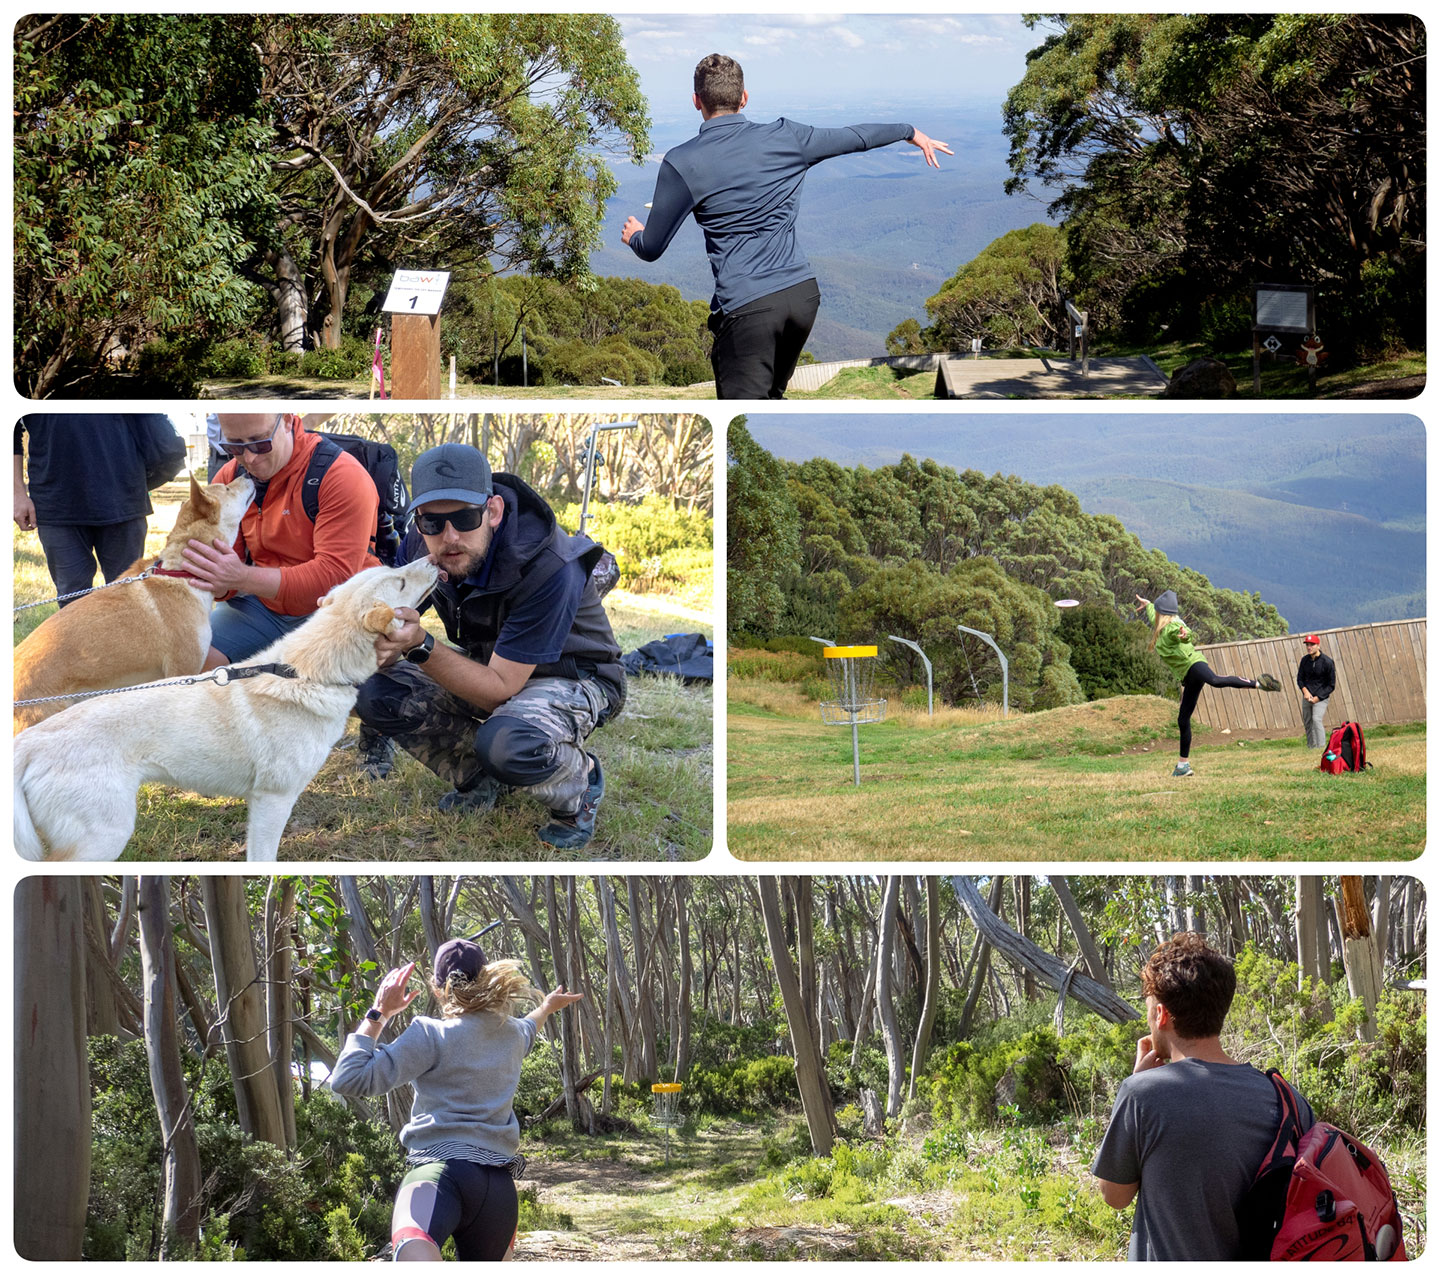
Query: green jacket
x=1174 y=645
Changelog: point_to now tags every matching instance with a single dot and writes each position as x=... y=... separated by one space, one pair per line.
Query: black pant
x=1197 y=678
x=71 y=553
x=758 y=344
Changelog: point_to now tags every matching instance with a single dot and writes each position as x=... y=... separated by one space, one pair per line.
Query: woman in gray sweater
x=462 y=1139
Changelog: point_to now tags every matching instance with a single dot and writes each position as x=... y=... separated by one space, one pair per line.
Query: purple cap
x=458 y=956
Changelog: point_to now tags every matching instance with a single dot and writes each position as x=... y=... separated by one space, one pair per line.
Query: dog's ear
x=379 y=618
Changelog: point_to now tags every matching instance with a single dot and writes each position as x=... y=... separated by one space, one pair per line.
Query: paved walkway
x=1048 y=378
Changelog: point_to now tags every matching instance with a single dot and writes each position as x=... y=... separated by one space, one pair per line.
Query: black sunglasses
x=466 y=519
x=259 y=448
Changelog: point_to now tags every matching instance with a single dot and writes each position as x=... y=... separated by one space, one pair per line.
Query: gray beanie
x=1167 y=603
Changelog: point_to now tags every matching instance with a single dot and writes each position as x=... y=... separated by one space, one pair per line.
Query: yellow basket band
x=850 y=652
x=666 y=1088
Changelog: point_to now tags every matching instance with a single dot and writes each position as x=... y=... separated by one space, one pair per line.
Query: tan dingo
x=155 y=628
x=261 y=738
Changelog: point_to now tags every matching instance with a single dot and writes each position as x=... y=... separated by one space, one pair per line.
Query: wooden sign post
x=414 y=304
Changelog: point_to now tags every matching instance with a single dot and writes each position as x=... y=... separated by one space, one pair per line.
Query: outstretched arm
x=557 y=1000
x=670 y=207
x=825 y=143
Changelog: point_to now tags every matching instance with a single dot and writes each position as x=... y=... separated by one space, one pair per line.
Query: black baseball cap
x=459 y=956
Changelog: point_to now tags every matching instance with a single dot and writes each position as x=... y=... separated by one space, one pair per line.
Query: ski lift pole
x=590 y=459
x=1004 y=663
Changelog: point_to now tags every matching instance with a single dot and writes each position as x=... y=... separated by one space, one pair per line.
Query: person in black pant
x=742 y=181
x=87 y=494
x=1316 y=680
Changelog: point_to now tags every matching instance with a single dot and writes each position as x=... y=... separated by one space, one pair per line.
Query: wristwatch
x=419 y=654
x=374 y=1015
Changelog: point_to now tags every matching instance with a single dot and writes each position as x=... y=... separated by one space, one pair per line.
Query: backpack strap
x=1287 y=1133
x=326 y=453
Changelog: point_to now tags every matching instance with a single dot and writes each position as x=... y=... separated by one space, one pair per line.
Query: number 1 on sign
x=413 y=300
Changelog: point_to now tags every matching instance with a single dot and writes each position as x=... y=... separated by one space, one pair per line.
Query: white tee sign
x=416 y=291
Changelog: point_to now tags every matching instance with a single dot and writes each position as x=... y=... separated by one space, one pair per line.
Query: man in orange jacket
x=281 y=564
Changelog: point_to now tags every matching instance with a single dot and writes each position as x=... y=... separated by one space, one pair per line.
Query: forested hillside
x=915 y=549
x=914 y=1067
x=1324 y=516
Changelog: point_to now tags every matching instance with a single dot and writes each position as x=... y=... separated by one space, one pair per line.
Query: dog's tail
x=27 y=839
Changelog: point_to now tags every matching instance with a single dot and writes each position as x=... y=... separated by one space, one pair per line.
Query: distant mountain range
x=882 y=230
x=1323 y=515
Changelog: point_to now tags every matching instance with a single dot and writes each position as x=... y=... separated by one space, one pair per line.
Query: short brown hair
x=1193 y=981
x=719 y=83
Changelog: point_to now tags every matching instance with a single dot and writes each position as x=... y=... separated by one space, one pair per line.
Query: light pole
x=1004 y=664
x=929 y=673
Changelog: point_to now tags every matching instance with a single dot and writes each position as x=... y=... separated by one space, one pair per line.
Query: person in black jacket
x=1316 y=680
x=88 y=489
x=534 y=667
x=742 y=182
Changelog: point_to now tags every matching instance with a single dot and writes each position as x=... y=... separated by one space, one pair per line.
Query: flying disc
x=1068 y=602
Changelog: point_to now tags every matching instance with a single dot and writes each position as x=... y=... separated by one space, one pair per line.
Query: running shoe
x=572 y=832
x=1182 y=771
x=1268 y=682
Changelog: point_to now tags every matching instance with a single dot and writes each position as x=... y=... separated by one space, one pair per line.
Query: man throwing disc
x=742 y=181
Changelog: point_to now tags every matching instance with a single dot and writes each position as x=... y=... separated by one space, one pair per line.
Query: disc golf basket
x=666 y=1112
x=852 y=688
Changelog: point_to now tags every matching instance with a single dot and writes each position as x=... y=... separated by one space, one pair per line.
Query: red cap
x=1311 y=640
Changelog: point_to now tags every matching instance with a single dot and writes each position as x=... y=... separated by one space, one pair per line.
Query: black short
x=758 y=344
x=476 y=1203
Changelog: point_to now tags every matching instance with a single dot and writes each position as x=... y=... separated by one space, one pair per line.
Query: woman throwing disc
x=1171 y=642
x=463 y=1139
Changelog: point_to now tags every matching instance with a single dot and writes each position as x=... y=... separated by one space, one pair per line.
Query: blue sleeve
x=535 y=631
x=670 y=206
x=825 y=143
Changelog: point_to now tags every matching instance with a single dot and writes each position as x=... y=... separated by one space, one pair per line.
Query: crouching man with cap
x=462 y=1141
x=534 y=667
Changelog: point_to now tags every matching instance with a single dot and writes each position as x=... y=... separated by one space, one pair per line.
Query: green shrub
x=770 y=666
x=350 y=361
x=743 y=1088
x=649 y=528
x=239 y=357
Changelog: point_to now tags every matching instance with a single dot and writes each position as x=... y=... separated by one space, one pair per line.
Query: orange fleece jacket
x=313 y=558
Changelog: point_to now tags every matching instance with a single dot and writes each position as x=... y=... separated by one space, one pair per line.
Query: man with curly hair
x=1191 y=1124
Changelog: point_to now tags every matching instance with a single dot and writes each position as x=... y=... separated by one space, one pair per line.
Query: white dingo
x=262 y=738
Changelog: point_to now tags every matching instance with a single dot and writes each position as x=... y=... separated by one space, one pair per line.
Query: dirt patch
x=1212 y=739
x=1398 y=387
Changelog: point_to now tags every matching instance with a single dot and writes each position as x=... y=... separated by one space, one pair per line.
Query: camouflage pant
x=532 y=741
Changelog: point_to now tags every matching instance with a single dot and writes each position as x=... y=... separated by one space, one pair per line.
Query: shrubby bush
x=331 y=1200
x=742 y=1088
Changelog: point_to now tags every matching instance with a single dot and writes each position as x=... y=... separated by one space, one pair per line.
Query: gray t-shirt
x=1193 y=1134
x=464 y=1070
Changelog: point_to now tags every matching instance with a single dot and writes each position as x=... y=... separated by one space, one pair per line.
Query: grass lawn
x=657 y=756
x=298 y=387
x=1089 y=782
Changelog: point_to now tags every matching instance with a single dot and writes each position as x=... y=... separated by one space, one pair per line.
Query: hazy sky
x=818 y=60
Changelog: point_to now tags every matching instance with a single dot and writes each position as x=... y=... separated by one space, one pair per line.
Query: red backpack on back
x=1345 y=753
x=1319 y=1197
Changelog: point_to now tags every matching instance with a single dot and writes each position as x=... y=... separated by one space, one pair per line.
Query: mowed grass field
x=657 y=757
x=1090 y=781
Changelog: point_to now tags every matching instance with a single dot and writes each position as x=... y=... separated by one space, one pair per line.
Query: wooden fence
x=1379 y=677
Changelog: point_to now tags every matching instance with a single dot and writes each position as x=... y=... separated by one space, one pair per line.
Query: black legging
x=476 y=1203
x=1197 y=677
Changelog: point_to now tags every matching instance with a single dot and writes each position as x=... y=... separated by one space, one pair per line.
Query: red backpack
x=1345 y=753
x=1319 y=1197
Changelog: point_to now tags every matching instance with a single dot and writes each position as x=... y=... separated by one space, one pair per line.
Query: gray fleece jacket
x=464 y=1070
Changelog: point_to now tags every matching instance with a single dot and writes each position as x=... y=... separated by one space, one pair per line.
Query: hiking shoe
x=376 y=754
x=1268 y=682
x=1182 y=771
x=571 y=832
x=475 y=800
